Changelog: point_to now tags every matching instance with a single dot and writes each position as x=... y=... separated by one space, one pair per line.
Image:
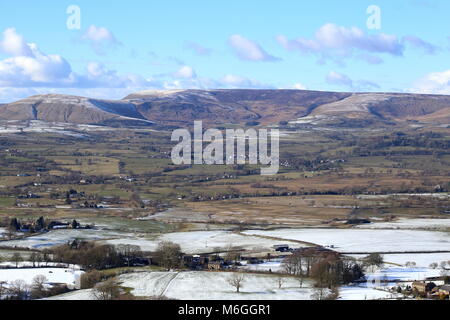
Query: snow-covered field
x=37 y=126
x=274 y=266
x=422 y=260
x=213 y=286
x=58 y=237
x=204 y=286
x=443 y=195
x=365 y=240
x=403 y=274
x=364 y=293
x=404 y=223
x=190 y=242
x=69 y=276
x=79 y=295
x=205 y=241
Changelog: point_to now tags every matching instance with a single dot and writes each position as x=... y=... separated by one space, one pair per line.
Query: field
x=71 y=277
x=190 y=285
x=365 y=241
x=353 y=191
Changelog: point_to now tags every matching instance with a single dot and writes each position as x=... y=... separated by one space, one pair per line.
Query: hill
x=220 y=107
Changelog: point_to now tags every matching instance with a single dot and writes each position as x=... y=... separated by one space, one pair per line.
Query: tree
x=232 y=254
x=33 y=258
x=14 y=225
x=374 y=259
x=40 y=224
x=136 y=200
x=38 y=287
x=75 y=224
x=168 y=254
x=236 y=280
x=17 y=258
x=90 y=279
x=2 y=288
x=319 y=293
x=292 y=264
x=18 y=290
x=129 y=252
x=108 y=290
x=300 y=279
x=281 y=281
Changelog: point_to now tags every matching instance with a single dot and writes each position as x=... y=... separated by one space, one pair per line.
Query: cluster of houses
x=40 y=225
x=284 y=248
x=217 y=263
x=214 y=263
x=202 y=262
x=431 y=290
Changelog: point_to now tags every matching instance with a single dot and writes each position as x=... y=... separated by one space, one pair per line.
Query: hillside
x=219 y=107
x=71 y=109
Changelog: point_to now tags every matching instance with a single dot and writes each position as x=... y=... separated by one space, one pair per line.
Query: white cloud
x=249 y=50
x=418 y=43
x=14 y=44
x=336 y=43
x=433 y=83
x=299 y=86
x=185 y=72
x=340 y=79
x=100 y=39
x=198 y=48
x=28 y=71
x=29 y=66
x=232 y=81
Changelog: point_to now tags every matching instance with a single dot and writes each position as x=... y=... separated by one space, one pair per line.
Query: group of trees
x=20 y=290
x=32 y=226
x=93 y=256
x=328 y=269
x=168 y=255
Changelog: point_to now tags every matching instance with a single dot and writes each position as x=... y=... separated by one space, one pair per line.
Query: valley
x=352 y=185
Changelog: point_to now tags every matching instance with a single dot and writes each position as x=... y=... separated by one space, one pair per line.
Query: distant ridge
x=240 y=106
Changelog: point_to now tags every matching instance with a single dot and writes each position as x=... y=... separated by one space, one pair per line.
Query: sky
x=108 y=49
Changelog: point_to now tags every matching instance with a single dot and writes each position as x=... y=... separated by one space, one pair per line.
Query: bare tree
x=108 y=290
x=17 y=258
x=236 y=280
x=281 y=281
x=319 y=294
x=33 y=258
x=18 y=289
x=129 y=252
x=38 y=286
x=39 y=282
x=2 y=288
x=169 y=254
x=233 y=253
x=292 y=264
x=374 y=259
x=300 y=279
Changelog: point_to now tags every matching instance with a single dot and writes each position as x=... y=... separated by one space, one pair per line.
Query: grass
x=146 y=158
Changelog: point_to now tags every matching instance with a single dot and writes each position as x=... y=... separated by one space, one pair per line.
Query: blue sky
x=126 y=46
